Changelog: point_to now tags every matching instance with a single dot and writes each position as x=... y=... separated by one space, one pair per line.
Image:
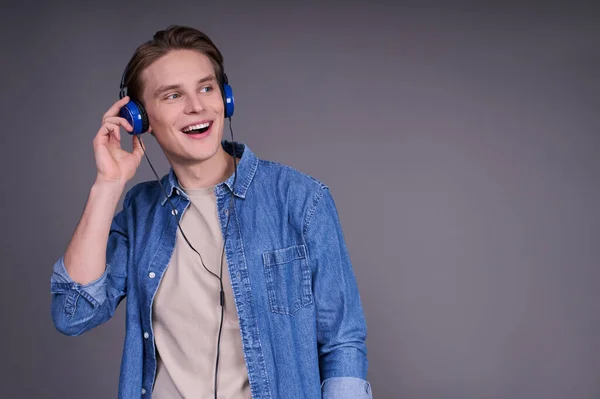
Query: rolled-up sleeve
x=346 y=388
x=77 y=308
x=341 y=325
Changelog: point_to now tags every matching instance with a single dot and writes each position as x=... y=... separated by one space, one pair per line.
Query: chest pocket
x=287 y=274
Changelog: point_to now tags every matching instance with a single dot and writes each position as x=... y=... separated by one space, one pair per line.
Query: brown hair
x=175 y=37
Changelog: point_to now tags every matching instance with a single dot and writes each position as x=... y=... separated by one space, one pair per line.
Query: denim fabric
x=302 y=325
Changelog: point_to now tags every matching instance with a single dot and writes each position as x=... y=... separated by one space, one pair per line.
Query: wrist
x=105 y=187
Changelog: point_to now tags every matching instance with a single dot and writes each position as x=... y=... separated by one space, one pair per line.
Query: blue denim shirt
x=302 y=324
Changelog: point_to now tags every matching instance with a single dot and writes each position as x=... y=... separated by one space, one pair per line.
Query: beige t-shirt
x=186 y=313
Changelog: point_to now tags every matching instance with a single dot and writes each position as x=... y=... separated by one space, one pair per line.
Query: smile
x=197 y=128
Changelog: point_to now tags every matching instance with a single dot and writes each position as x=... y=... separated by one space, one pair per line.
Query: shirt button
x=226 y=211
x=239 y=275
x=152 y=275
x=143 y=391
x=146 y=335
x=176 y=191
x=174 y=212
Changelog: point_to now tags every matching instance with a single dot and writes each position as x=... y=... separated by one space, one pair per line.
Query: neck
x=208 y=173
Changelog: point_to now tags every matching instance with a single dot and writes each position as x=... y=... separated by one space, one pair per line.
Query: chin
x=205 y=151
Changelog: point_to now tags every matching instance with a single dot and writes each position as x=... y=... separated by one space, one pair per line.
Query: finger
x=138 y=146
x=105 y=133
x=116 y=107
x=112 y=129
x=119 y=121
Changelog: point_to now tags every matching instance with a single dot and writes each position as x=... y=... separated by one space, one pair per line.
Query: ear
x=150 y=131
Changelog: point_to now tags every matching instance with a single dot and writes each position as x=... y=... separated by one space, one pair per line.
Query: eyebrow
x=162 y=89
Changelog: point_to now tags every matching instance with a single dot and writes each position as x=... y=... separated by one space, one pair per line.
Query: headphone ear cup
x=228 y=100
x=144 y=114
x=136 y=115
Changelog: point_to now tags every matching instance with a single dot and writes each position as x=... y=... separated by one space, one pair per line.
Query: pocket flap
x=284 y=255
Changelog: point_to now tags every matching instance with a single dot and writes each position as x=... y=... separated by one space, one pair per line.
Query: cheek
x=163 y=117
x=219 y=110
x=217 y=104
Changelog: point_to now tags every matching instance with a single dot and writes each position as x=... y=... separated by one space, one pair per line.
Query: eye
x=172 y=96
x=207 y=89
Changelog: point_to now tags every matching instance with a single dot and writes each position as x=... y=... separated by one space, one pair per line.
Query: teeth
x=195 y=127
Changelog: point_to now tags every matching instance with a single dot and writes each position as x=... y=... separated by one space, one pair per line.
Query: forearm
x=85 y=257
x=343 y=358
x=347 y=360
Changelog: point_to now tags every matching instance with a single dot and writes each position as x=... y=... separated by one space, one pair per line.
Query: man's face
x=184 y=105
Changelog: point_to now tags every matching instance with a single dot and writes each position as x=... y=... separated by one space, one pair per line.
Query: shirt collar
x=246 y=168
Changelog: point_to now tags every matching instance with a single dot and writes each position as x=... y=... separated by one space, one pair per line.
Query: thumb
x=138 y=146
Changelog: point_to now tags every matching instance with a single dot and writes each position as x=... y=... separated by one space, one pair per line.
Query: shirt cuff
x=346 y=388
x=61 y=282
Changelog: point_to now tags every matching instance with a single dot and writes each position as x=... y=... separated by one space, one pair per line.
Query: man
x=236 y=272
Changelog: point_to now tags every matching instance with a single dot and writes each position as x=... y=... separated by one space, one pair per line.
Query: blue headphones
x=137 y=116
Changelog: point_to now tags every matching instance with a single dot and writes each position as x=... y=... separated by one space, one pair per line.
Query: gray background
x=460 y=142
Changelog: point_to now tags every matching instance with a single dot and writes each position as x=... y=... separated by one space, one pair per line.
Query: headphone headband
x=122 y=85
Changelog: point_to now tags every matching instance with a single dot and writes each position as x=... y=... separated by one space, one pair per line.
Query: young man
x=237 y=276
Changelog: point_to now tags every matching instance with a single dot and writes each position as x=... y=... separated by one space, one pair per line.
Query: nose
x=193 y=104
